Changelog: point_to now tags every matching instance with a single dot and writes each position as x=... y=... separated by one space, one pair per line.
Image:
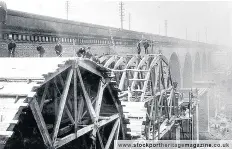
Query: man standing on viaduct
x=138 y=47
x=11 y=48
x=146 y=45
x=58 y=49
x=41 y=50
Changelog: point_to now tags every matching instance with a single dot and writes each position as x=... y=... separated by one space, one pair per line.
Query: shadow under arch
x=197 y=67
x=174 y=65
x=187 y=72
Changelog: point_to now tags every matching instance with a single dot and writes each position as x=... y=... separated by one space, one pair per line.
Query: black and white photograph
x=108 y=74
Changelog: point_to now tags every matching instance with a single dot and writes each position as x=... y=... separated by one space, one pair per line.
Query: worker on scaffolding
x=88 y=53
x=146 y=45
x=11 y=48
x=58 y=49
x=81 y=52
x=41 y=50
x=139 y=47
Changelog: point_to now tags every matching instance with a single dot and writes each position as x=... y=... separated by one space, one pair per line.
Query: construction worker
x=58 y=49
x=81 y=52
x=146 y=45
x=11 y=48
x=41 y=50
x=139 y=47
x=88 y=53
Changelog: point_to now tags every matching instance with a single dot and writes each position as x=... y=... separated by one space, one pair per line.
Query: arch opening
x=197 y=68
x=187 y=72
x=174 y=65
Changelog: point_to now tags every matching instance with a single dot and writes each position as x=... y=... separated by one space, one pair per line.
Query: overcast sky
x=146 y=16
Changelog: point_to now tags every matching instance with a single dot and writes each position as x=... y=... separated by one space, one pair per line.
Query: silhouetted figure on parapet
x=41 y=50
x=58 y=49
x=11 y=48
x=139 y=47
x=146 y=45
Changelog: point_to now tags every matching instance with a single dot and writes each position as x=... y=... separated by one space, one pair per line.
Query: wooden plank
x=83 y=131
x=60 y=70
x=40 y=122
x=44 y=96
x=9 y=122
x=62 y=104
x=64 y=130
x=87 y=99
x=112 y=134
x=6 y=133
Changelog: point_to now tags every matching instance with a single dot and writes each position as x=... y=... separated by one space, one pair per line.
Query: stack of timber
x=135 y=114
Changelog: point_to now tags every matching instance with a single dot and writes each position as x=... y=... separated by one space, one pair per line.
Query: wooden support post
x=80 y=109
x=44 y=96
x=40 y=122
x=75 y=96
x=86 y=110
x=101 y=89
x=150 y=117
x=155 y=116
x=61 y=79
x=100 y=140
x=83 y=131
x=112 y=134
x=99 y=97
x=117 y=133
x=62 y=104
x=178 y=132
x=70 y=105
x=62 y=83
x=162 y=75
x=119 y=111
x=69 y=114
x=55 y=101
x=87 y=99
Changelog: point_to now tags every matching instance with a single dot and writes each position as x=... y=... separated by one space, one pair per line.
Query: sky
x=205 y=21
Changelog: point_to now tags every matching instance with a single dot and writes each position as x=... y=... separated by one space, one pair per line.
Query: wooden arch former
x=148 y=95
x=69 y=98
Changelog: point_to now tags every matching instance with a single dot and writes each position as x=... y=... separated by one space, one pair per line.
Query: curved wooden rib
x=123 y=78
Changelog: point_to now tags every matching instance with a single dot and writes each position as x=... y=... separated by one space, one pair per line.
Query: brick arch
x=175 y=68
x=187 y=71
x=197 y=67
